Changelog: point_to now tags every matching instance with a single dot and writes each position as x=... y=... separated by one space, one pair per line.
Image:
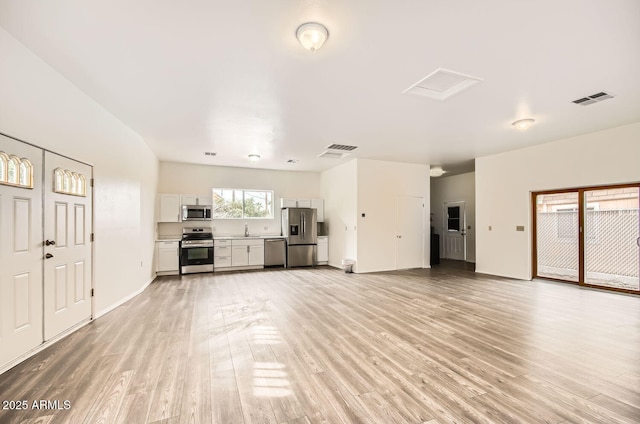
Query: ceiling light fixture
x=312 y=35
x=253 y=157
x=436 y=171
x=523 y=124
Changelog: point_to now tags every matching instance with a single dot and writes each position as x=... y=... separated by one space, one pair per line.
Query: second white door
x=67 y=250
x=410 y=232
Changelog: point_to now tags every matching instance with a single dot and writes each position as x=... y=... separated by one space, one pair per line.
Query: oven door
x=196 y=258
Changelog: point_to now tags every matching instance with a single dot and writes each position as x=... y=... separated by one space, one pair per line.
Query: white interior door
x=454 y=231
x=67 y=232
x=20 y=252
x=410 y=232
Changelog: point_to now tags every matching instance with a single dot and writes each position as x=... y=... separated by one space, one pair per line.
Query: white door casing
x=455 y=230
x=67 y=272
x=20 y=258
x=409 y=232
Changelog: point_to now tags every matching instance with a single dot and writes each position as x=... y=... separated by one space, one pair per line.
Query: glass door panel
x=557 y=236
x=612 y=255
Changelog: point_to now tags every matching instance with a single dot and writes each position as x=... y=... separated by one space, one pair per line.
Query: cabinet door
x=168 y=256
x=169 y=208
x=288 y=203
x=256 y=254
x=239 y=256
x=205 y=200
x=323 y=250
x=318 y=205
x=304 y=203
x=188 y=199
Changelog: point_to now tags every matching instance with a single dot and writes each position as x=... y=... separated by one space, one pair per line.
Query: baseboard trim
x=6 y=367
x=122 y=301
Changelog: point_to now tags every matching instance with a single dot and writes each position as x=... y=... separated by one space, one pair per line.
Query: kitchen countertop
x=246 y=237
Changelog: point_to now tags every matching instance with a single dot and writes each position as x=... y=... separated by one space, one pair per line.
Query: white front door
x=20 y=251
x=409 y=232
x=67 y=233
x=454 y=231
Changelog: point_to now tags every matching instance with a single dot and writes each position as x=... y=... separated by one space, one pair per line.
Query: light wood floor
x=317 y=345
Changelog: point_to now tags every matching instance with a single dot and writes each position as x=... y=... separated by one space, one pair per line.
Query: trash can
x=348 y=264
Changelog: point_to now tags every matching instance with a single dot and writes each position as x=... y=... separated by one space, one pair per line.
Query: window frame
x=244 y=191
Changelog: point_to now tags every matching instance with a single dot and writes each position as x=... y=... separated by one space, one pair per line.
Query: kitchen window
x=242 y=204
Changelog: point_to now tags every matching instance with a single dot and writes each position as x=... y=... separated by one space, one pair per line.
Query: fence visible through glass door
x=612 y=257
x=557 y=236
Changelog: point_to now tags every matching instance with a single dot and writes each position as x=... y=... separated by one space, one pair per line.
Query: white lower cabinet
x=239 y=253
x=168 y=255
x=322 y=251
x=221 y=254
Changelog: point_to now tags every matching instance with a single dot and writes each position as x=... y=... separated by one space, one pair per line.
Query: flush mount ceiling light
x=312 y=35
x=523 y=124
x=253 y=157
x=437 y=171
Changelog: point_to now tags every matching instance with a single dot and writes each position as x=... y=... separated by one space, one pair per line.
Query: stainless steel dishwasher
x=275 y=252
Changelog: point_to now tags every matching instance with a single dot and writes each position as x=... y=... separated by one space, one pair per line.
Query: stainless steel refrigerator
x=299 y=227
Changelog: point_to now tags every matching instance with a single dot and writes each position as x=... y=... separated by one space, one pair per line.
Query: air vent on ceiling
x=341 y=147
x=337 y=151
x=210 y=153
x=442 y=84
x=594 y=98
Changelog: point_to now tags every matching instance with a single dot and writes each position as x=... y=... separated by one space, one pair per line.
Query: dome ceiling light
x=312 y=35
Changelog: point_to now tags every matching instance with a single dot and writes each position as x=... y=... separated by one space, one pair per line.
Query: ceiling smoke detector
x=594 y=98
x=442 y=84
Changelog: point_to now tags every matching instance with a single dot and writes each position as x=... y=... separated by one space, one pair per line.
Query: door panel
x=454 y=231
x=611 y=257
x=410 y=232
x=557 y=233
x=20 y=256
x=67 y=278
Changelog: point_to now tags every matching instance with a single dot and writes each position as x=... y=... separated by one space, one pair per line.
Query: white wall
x=504 y=183
x=379 y=184
x=454 y=189
x=340 y=193
x=41 y=107
x=182 y=178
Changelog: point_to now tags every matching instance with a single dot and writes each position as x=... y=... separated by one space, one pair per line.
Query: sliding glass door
x=557 y=236
x=589 y=236
x=611 y=228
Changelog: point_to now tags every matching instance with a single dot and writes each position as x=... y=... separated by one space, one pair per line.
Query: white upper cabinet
x=190 y=199
x=169 y=208
x=288 y=203
x=304 y=203
x=317 y=204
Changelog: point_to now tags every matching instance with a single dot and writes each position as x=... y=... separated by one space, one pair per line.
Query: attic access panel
x=442 y=84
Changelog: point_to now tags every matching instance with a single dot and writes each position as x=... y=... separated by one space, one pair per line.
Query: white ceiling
x=229 y=76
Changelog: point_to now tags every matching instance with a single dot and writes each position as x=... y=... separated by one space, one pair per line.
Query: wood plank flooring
x=320 y=346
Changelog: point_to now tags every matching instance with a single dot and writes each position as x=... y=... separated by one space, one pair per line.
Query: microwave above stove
x=196 y=212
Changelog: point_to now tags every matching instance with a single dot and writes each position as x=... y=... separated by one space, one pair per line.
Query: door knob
x=49 y=243
x=48 y=256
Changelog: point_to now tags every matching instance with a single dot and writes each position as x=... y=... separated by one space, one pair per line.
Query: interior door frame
x=581 y=242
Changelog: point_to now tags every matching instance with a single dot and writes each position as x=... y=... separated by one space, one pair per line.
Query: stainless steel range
x=196 y=250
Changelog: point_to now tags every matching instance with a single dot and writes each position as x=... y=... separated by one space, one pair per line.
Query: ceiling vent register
x=336 y=151
x=594 y=98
